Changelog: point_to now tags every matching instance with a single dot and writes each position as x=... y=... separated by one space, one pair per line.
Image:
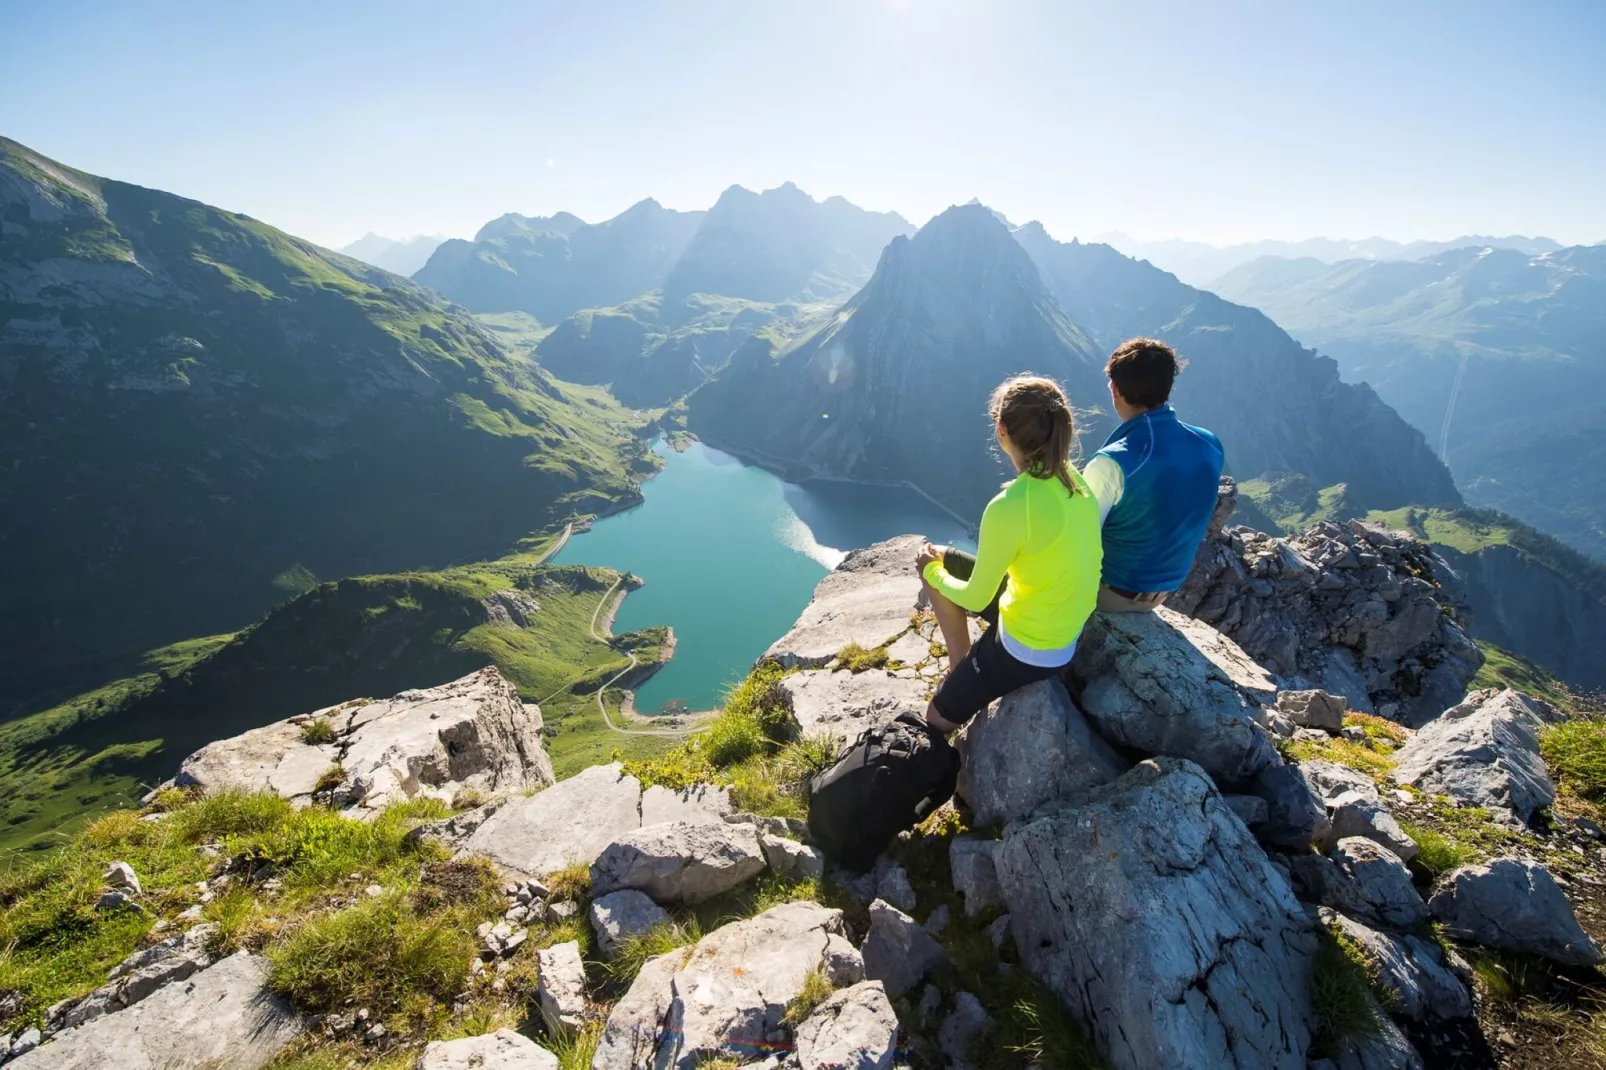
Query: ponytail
x=1037 y=417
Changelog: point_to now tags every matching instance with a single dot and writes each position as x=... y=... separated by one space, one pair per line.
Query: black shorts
x=989 y=671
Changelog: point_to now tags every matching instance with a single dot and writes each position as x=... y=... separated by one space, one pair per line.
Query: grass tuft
x=570 y=882
x=1047 y=1034
x=1341 y=985
x=817 y=988
x=1378 y=729
x=856 y=658
x=1576 y=753
x=635 y=952
x=316 y=731
x=1437 y=853
x=575 y=1048
x=1362 y=757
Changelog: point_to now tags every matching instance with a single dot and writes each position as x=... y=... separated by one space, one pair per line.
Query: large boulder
x=1032 y=746
x=1348 y=608
x=1165 y=684
x=1484 y=752
x=700 y=802
x=222 y=1016
x=867 y=600
x=1384 y=882
x=540 y=833
x=473 y=734
x=139 y=976
x=1513 y=904
x=854 y=1029
x=898 y=952
x=843 y=704
x=501 y=1050
x=725 y=997
x=681 y=862
x=1154 y=914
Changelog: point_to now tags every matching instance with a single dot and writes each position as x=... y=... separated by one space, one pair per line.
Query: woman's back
x=1054 y=575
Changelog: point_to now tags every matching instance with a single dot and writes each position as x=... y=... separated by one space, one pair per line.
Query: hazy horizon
x=1163 y=121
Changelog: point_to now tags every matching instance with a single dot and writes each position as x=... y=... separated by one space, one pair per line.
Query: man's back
x=1156 y=480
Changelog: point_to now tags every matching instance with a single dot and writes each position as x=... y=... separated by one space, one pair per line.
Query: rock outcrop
x=1149 y=908
x=843 y=704
x=726 y=996
x=543 y=832
x=854 y=1029
x=898 y=952
x=1484 y=752
x=681 y=862
x=1410 y=968
x=221 y=1016
x=1032 y=746
x=473 y=734
x=866 y=600
x=1162 y=683
x=620 y=916
x=1348 y=608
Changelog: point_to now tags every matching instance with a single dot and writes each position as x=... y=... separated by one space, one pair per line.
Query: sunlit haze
x=1216 y=122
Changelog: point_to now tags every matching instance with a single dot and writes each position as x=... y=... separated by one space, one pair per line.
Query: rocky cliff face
x=1277 y=406
x=895 y=386
x=193 y=403
x=1521 y=605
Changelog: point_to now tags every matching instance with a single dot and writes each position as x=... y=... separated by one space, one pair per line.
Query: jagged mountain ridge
x=193 y=404
x=538 y=267
x=1494 y=354
x=400 y=256
x=1276 y=406
x=894 y=387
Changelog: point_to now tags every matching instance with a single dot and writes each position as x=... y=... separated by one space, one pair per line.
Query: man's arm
x=1107 y=482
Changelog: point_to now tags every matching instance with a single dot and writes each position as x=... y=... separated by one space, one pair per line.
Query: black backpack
x=889 y=780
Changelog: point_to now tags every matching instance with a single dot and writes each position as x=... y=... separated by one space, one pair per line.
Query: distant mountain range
x=401 y=256
x=893 y=386
x=1496 y=355
x=1200 y=263
x=200 y=413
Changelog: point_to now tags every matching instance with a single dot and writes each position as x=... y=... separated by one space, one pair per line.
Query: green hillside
x=194 y=405
x=368 y=635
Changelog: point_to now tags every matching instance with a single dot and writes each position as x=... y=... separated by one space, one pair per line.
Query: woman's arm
x=1002 y=533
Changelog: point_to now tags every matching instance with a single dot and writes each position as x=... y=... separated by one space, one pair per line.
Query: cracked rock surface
x=471 y=734
x=1151 y=910
x=1484 y=752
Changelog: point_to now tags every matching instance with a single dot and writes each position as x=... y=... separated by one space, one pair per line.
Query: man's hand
x=928 y=553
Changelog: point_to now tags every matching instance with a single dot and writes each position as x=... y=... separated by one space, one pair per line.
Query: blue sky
x=1219 y=122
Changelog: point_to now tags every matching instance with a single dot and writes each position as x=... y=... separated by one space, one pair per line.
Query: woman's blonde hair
x=1037 y=417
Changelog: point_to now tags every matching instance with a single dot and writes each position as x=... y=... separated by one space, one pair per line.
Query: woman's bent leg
x=952 y=622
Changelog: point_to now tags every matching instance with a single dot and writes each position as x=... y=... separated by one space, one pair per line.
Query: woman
x=1035 y=576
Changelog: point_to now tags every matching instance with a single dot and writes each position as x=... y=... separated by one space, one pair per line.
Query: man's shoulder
x=1207 y=435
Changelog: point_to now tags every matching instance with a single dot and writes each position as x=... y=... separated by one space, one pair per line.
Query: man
x=1155 y=480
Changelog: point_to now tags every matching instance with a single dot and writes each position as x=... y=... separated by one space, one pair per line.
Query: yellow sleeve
x=1003 y=532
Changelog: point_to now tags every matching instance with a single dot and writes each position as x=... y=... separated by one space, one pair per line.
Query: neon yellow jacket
x=1047 y=540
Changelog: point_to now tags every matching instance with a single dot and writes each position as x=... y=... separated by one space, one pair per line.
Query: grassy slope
x=373 y=635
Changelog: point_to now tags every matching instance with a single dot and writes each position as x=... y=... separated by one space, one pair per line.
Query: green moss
x=1369 y=757
x=855 y=658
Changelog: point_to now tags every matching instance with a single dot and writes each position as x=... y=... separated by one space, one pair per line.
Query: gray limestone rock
x=726 y=996
x=1151 y=910
x=1409 y=967
x=1318 y=879
x=473 y=734
x=791 y=859
x=618 y=916
x=867 y=600
x=1342 y=607
x=843 y=704
x=973 y=864
x=1295 y=816
x=1484 y=752
x=680 y=862
x=501 y=1050
x=562 y=989
x=962 y=1030
x=843 y=964
x=1313 y=709
x=998 y=932
x=1388 y=1050
x=538 y=834
x=140 y=975
x=1163 y=683
x=893 y=886
x=1384 y=882
x=1361 y=813
x=1513 y=904
x=854 y=1029
x=1252 y=810
x=700 y=803
x=25 y=1041
x=1032 y=746
x=222 y=1016
x=898 y=952
x=121 y=875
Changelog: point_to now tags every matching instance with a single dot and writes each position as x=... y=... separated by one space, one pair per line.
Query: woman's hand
x=928 y=553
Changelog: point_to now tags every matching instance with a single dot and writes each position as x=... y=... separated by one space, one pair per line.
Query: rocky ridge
x=1161 y=839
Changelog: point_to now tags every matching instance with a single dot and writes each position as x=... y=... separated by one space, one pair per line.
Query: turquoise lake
x=730 y=555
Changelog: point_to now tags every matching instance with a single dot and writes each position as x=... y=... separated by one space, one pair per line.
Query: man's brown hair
x=1143 y=370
